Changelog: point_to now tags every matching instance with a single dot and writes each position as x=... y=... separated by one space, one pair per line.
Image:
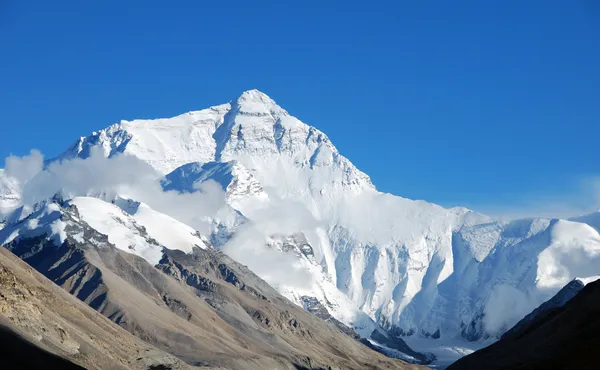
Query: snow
x=446 y=351
x=9 y=194
x=143 y=233
x=135 y=233
x=167 y=230
x=122 y=230
x=46 y=220
x=236 y=180
x=164 y=143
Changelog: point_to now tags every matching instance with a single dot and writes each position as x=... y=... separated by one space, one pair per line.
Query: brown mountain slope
x=42 y=325
x=559 y=338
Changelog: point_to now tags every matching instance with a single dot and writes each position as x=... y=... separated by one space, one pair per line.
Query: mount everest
x=275 y=194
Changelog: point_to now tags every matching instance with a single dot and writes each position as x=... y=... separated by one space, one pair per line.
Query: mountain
x=192 y=302
x=556 y=337
x=253 y=127
x=304 y=218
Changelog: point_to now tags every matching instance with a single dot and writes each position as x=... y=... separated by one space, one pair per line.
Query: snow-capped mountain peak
x=251 y=129
x=258 y=103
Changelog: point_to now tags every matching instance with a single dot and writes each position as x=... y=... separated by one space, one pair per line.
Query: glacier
x=374 y=260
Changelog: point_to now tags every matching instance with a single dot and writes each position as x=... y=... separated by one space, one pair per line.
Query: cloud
x=278 y=268
x=24 y=168
x=122 y=175
x=95 y=175
x=505 y=307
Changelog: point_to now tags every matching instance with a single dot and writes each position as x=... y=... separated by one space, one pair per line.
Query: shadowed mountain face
x=563 y=337
x=203 y=307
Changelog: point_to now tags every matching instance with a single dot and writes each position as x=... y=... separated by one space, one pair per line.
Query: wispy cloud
x=107 y=178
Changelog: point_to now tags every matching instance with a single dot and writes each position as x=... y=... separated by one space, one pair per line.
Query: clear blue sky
x=478 y=103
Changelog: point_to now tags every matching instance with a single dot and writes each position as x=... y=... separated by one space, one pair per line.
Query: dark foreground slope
x=203 y=308
x=566 y=337
x=18 y=353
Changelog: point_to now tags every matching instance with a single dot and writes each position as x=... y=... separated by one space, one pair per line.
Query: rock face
x=554 y=336
x=201 y=307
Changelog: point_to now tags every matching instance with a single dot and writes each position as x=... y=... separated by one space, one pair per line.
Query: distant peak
x=256 y=102
x=255 y=95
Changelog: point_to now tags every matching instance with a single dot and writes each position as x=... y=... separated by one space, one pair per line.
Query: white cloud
x=24 y=168
x=121 y=175
x=275 y=267
x=505 y=307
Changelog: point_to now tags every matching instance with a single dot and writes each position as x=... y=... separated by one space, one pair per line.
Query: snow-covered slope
x=237 y=181
x=140 y=230
x=414 y=267
x=131 y=226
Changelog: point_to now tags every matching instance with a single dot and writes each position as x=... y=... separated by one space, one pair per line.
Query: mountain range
x=134 y=211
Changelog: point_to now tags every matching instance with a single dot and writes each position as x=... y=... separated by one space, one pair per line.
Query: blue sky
x=493 y=105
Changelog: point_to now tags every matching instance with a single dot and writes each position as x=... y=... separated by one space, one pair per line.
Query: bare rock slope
x=43 y=326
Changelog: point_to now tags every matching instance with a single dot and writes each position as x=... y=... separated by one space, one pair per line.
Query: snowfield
x=130 y=231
